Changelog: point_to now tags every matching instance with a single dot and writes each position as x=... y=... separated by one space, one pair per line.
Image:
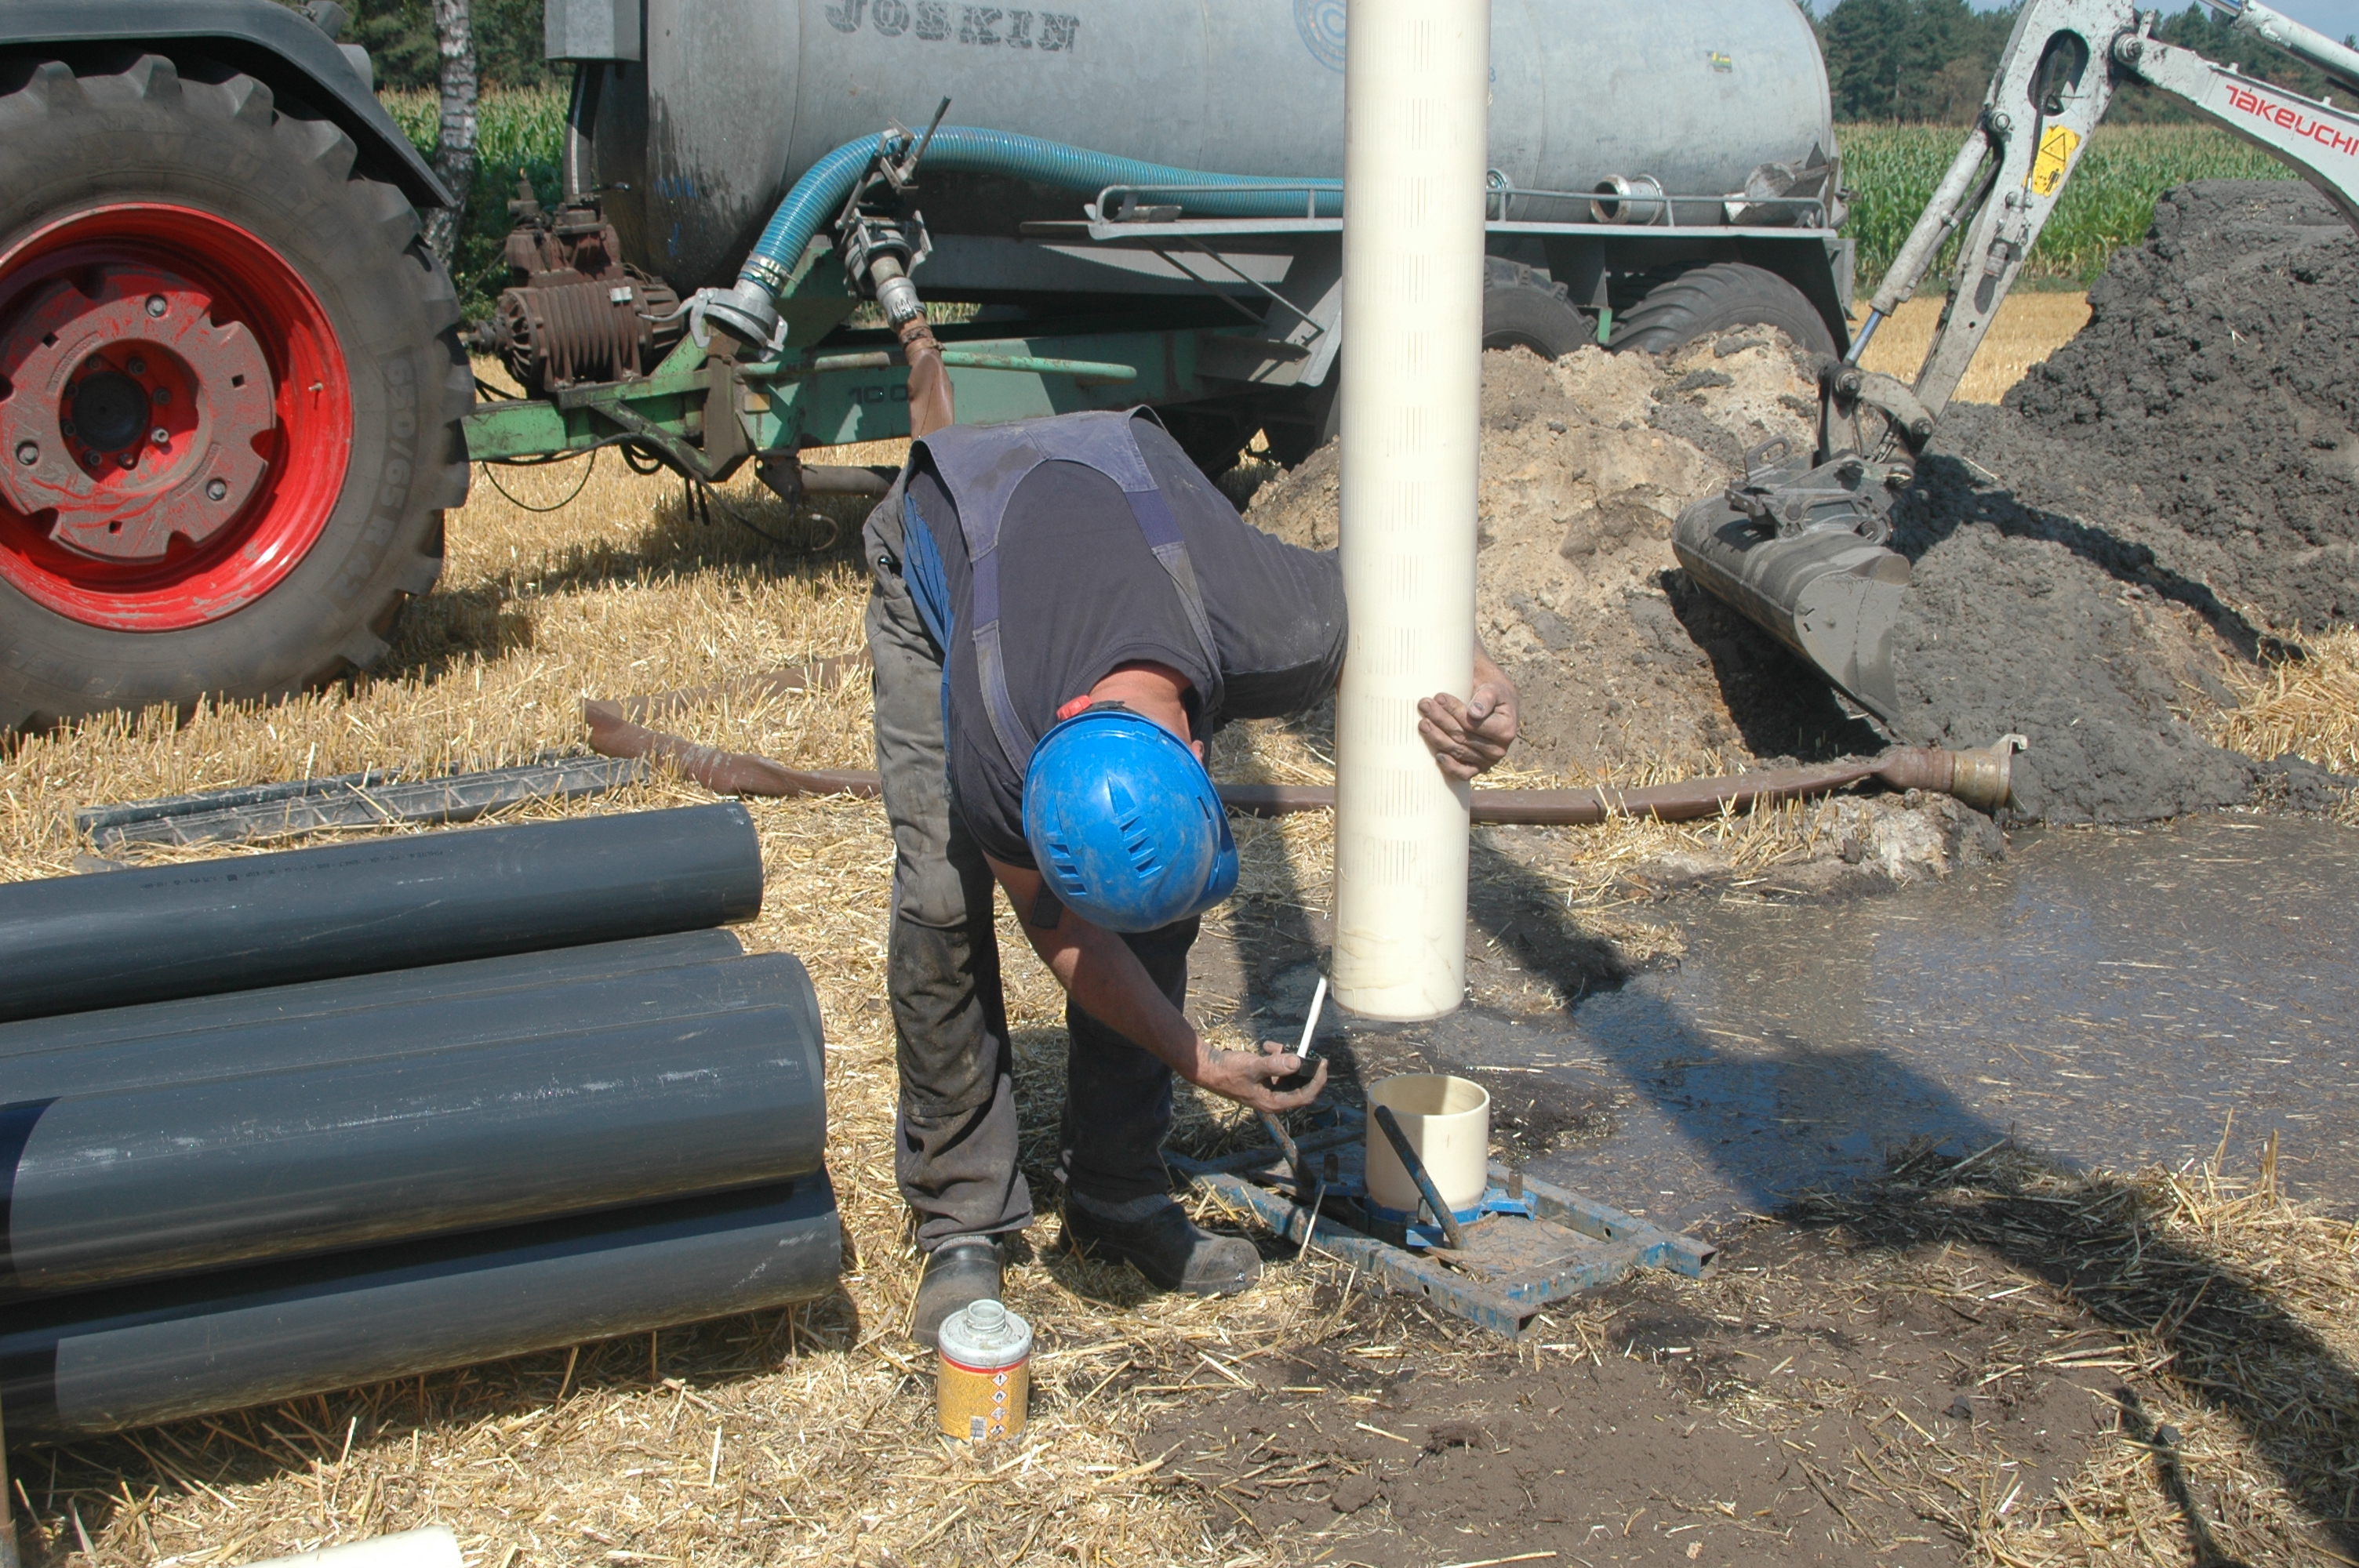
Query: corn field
x=2109 y=203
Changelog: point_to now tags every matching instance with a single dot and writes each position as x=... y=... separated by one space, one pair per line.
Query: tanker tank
x=736 y=99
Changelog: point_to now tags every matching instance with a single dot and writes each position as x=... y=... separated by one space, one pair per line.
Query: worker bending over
x=1063 y=612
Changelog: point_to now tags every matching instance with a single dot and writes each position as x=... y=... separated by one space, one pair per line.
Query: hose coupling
x=746 y=312
x=896 y=295
x=1984 y=778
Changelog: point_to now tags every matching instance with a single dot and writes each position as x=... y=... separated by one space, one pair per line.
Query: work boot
x=962 y=1270
x=1156 y=1236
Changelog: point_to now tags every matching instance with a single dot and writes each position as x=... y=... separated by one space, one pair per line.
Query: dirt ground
x=1983 y=1361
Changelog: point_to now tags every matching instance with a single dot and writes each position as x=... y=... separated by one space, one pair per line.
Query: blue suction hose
x=749 y=312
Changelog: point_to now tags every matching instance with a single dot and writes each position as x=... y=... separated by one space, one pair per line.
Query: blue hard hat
x=1125 y=824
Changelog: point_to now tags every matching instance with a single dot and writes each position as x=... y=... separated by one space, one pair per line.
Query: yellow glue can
x=984 y=1387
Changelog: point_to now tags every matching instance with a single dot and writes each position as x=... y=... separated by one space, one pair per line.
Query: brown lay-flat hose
x=1980 y=778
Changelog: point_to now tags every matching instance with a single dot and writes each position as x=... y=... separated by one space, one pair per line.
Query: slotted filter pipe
x=1414 y=87
x=361 y=1129
x=74 y=943
x=149 y=1353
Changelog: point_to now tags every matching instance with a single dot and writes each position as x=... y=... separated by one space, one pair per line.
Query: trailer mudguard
x=281 y=48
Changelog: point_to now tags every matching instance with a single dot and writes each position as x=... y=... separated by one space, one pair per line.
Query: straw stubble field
x=805 y=1435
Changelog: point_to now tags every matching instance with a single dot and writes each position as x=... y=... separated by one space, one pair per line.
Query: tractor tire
x=230 y=390
x=1521 y=309
x=1718 y=297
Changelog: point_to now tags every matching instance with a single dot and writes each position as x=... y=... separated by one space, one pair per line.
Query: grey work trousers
x=955 y=1132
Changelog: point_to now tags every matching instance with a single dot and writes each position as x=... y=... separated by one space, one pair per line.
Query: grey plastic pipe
x=445 y=1117
x=74 y=943
x=76 y=1365
x=169 y=1034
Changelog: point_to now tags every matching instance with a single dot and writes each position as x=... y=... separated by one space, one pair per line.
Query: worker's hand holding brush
x=1257 y=1079
x=1278 y=1078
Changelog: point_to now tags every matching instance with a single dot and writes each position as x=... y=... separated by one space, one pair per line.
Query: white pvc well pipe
x=433 y=1547
x=1416 y=85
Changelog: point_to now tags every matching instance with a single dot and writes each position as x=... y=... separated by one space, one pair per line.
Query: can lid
x=985 y=1333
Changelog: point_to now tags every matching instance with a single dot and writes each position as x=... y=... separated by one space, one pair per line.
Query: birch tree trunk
x=454 y=150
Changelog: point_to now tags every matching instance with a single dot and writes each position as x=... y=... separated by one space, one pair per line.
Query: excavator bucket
x=1811 y=570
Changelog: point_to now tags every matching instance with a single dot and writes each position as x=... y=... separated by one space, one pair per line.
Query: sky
x=2335 y=18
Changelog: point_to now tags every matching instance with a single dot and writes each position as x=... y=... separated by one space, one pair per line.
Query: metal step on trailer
x=1535 y=1243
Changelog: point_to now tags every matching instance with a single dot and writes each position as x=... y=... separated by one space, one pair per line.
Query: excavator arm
x=2060 y=70
x=1797 y=544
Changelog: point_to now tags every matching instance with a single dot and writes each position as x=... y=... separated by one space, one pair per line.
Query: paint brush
x=1310 y=1024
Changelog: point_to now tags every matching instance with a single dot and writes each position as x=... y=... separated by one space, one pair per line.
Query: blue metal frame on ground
x=1523 y=1255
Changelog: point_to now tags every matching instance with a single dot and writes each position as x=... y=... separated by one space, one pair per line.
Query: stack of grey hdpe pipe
x=276 y=1124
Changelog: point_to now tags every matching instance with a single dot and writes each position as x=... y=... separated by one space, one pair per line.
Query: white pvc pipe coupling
x=1416 y=85
x=433 y=1547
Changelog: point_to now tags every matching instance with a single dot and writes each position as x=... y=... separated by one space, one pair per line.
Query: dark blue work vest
x=980 y=465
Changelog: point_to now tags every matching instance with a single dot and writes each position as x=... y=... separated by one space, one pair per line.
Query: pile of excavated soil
x=1621 y=664
x=2088 y=560
x=2191 y=459
x=2211 y=407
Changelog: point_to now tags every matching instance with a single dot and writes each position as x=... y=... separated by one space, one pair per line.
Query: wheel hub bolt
x=27 y=453
x=216 y=488
x=163 y=395
x=160 y=435
x=137 y=367
x=95 y=362
x=90 y=459
x=156 y=305
x=128 y=461
x=66 y=426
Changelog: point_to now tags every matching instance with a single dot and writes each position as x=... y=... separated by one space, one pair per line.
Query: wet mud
x=2108 y=1000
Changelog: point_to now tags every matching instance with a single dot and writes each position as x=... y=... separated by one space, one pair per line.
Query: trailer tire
x=1718 y=297
x=1521 y=309
x=188 y=232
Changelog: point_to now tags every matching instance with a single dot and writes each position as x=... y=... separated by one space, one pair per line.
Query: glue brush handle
x=1310 y=1024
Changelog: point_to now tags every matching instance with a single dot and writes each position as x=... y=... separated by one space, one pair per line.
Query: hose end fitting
x=898 y=298
x=746 y=312
x=1984 y=778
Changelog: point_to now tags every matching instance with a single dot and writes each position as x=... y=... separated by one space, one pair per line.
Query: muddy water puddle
x=2106 y=998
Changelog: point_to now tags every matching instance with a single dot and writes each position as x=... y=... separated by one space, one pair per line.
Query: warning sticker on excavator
x=2054 y=157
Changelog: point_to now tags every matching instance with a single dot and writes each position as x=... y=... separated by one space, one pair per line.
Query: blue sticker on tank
x=1320 y=23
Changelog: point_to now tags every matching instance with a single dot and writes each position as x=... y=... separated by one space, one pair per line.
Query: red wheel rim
x=214 y=425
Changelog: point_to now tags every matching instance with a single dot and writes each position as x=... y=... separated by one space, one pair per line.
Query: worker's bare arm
x=1470 y=737
x=1104 y=977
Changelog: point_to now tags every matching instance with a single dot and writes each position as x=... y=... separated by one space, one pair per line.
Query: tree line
x=399 y=37
x=1931 y=59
